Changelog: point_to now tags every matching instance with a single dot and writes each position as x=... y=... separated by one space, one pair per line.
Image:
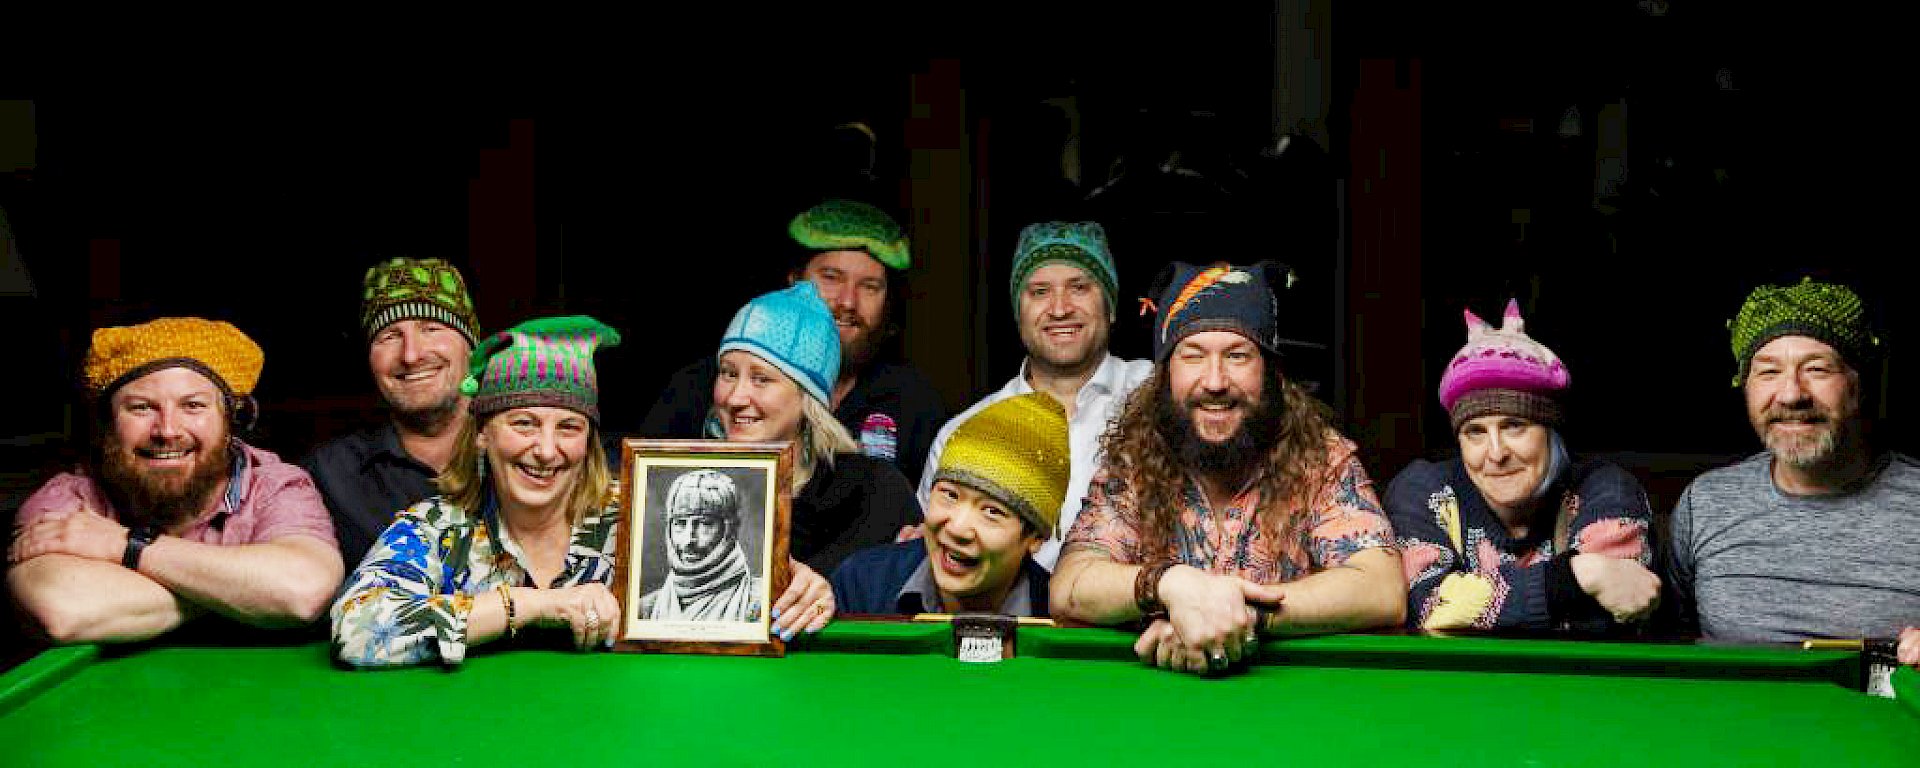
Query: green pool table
x=872 y=693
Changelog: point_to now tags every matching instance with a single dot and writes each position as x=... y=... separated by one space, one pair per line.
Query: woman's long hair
x=464 y=484
x=821 y=436
x=1141 y=453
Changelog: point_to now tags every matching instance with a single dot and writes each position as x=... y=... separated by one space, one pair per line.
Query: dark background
x=642 y=170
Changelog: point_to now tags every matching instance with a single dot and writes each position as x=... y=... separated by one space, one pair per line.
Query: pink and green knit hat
x=1504 y=371
x=547 y=362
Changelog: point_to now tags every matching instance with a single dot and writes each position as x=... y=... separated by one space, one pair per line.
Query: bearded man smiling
x=1819 y=535
x=175 y=516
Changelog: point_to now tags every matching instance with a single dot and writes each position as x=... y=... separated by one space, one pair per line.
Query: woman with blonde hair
x=779 y=360
x=521 y=536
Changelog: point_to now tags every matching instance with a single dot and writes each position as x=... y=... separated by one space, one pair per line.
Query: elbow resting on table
x=1060 y=602
x=1390 y=601
x=1375 y=592
x=304 y=589
x=60 y=625
x=302 y=601
x=1393 y=612
x=60 y=608
x=349 y=646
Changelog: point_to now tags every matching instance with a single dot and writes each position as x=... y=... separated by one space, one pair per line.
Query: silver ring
x=593 y=620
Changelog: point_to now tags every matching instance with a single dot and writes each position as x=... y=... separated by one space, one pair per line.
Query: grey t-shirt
x=1762 y=565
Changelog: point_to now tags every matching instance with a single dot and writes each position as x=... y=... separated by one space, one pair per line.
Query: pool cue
x=1027 y=621
x=1872 y=646
x=1833 y=645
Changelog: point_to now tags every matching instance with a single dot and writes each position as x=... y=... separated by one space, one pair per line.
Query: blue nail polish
x=776 y=612
x=786 y=635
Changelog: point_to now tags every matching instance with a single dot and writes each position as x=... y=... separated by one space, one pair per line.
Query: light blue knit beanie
x=793 y=330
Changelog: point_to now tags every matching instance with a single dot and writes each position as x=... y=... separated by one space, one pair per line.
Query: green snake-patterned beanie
x=1830 y=313
x=848 y=225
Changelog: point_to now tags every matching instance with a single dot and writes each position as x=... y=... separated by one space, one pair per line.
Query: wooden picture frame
x=759 y=476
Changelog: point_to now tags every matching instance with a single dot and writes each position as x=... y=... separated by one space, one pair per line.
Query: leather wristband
x=1146 y=588
x=137 y=541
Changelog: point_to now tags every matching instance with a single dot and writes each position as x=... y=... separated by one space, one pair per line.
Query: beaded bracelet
x=506 y=598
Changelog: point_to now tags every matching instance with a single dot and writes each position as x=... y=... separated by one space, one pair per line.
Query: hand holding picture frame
x=702 y=545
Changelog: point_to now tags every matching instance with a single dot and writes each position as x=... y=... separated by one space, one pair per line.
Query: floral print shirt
x=409 y=600
x=1339 y=516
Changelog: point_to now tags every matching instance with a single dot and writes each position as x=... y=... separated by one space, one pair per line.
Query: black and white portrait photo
x=705 y=521
x=702 y=560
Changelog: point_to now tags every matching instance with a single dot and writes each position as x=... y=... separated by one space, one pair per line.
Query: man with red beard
x=857 y=257
x=421 y=332
x=1226 y=505
x=174 y=516
x=1819 y=535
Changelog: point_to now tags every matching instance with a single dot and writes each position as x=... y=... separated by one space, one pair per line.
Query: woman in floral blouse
x=522 y=534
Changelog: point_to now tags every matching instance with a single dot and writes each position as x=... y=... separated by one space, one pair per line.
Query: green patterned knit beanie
x=547 y=362
x=847 y=225
x=417 y=289
x=1081 y=244
x=1831 y=313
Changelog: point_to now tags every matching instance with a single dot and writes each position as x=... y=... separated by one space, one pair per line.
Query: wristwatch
x=137 y=540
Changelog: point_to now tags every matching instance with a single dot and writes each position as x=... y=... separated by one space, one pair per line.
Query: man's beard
x=858 y=351
x=429 y=418
x=164 y=498
x=1807 y=450
x=690 y=561
x=1235 y=458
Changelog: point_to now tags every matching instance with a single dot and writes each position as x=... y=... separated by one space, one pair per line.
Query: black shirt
x=892 y=411
x=366 y=479
x=854 y=504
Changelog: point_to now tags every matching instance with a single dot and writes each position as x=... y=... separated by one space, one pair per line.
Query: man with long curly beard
x=1227 y=506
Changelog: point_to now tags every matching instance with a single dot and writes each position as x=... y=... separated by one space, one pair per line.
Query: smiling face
x=854 y=286
x=975 y=545
x=1506 y=458
x=693 y=540
x=755 y=401
x=1216 y=378
x=167 y=449
x=535 y=455
x=1063 y=318
x=417 y=365
x=1803 y=400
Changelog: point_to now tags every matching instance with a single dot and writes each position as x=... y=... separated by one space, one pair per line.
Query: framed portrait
x=702 y=545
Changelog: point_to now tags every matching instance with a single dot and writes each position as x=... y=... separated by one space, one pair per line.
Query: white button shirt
x=1098 y=402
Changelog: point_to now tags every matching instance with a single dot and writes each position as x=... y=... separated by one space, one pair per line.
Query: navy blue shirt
x=875 y=581
x=366 y=479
